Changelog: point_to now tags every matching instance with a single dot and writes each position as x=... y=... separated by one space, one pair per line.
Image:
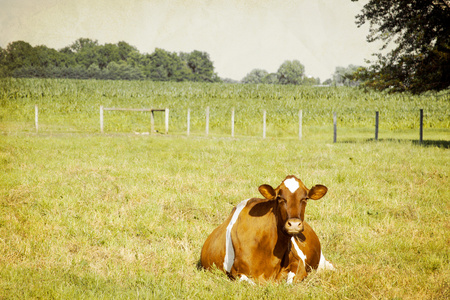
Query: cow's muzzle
x=293 y=226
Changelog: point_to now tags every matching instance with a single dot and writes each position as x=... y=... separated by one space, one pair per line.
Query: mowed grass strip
x=125 y=216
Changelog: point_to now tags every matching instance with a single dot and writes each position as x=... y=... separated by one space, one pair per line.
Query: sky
x=239 y=36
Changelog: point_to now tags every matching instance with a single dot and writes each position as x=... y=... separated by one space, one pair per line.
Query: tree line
x=419 y=61
x=290 y=72
x=86 y=59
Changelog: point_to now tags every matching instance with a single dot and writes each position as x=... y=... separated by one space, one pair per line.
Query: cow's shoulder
x=257 y=207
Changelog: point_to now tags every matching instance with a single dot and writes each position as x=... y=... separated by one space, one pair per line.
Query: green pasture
x=85 y=215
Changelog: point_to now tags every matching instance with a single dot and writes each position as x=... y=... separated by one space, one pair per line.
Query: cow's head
x=292 y=196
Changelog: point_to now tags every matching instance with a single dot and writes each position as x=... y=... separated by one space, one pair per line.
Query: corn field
x=73 y=106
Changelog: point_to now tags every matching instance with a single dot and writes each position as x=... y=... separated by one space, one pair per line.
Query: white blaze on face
x=292 y=184
x=229 y=250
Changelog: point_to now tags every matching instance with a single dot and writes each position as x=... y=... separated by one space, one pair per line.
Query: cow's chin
x=293 y=232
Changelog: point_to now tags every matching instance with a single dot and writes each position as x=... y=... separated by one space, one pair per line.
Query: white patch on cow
x=229 y=250
x=246 y=279
x=292 y=184
x=325 y=264
x=290 y=277
x=299 y=252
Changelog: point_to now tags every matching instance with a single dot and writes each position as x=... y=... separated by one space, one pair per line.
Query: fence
x=233 y=121
x=151 y=110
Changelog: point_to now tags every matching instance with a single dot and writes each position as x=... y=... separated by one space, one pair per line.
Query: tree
x=86 y=52
x=125 y=50
x=327 y=82
x=346 y=76
x=106 y=54
x=3 y=66
x=255 y=76
x=165 y=66
x=420 y=60
x=271 y=78
x=310 y=81
x=94 y=71
x=47 y=57
x=201 y=66
x=20 y=54
x=82 y=44
x=291 y=72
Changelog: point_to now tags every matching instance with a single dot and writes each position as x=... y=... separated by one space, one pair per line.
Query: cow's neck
x=283 y=239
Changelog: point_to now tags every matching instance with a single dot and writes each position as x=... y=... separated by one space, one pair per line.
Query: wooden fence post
x=421 y=126
x=335 y=127
x=376 y=125
x=101 y=118
x=167 y=120
x=36 y=117
x=207 y=120
x=232 y=122
x=152 y=122
x=300 y=120
x=188 y=121
x=264 y=124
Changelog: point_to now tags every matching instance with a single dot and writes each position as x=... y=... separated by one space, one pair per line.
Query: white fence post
x=36 y=117
x=207 y=120
x=167 y=120
x=334 y=127
x=188 y=121
x=232 y=122
x=300 y=120
x=264 y=124
x=101 y=118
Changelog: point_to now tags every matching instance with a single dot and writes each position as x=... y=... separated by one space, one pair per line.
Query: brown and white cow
x=268 y=239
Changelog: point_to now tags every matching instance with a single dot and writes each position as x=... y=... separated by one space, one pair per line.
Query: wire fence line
x=275 y=123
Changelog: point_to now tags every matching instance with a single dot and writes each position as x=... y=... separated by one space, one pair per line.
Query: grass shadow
x=425 y=143
x=432 y=143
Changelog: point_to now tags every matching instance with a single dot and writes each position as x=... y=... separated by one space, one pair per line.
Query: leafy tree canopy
x=291 y=72
x=255 y=76
x=346 y=76
x=420 y=30
x=201 y=66
x=86 y=58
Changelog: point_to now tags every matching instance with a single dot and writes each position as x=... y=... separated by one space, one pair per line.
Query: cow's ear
x=267 y=191
x=317 y=192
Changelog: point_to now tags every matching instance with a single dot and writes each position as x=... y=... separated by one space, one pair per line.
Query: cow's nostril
x=294 y=224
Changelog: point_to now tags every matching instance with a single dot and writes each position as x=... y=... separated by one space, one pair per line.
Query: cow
x=268 y=239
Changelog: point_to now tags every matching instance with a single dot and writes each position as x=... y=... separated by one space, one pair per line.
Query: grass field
x=85 y=215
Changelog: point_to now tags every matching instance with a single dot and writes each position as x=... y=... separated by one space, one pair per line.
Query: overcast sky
x=239 y=36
